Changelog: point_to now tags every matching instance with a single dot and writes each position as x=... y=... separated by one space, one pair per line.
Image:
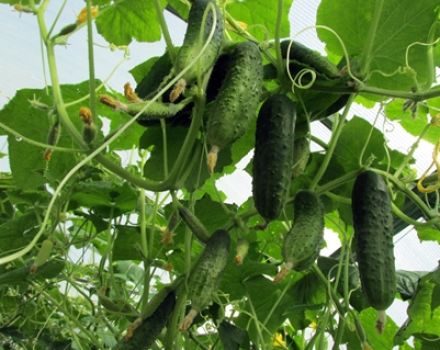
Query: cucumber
x=237 y=100
x=192 y=45
x=206 y=274
x=373 y=228
x=301 y=57
x=302 y=243
x=274 y=155
x=194 y=224
x=301 y=154
x=145 y=330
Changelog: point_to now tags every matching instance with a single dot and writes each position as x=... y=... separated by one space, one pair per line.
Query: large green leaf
x=258 y=13
x=382 y=341
x=125 y=20
x=414 y=124
x=400 y=23
x=423 y=311
x=352 y=140
x=16 y=233
x=28 y=166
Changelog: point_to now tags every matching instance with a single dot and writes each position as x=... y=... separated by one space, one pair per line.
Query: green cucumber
x=194 y=224
x=237 y=100
x=274 y=155
x=373 y=227
x=302 y=243
x=205 y=276
x=301 y=154
x=191 y=43
x=301 y=57
x=145 y=330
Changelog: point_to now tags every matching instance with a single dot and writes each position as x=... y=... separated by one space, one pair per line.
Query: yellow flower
x=82 y=17
x=278 y=341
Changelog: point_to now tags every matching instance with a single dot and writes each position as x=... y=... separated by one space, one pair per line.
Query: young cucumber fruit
x=301 y=57
x=206 y=274
x=273 y=157
x=302 y=243
x=237 y=99
x=373 y=227
x=195 y=37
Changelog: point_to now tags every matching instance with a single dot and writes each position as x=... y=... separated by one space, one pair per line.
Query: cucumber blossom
x=274 y=155
x=195 y=39
x=302 y=243
x=373 y=233
x=237 y=99
x=206 y=274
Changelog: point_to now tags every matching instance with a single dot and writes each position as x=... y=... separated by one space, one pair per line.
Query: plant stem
x=414 y=96
x=165 y=31
x=280 y=65
x=332 y=145
x=92 y=83
x=367 y=55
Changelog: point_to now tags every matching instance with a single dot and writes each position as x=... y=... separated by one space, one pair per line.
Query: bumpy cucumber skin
x=150 y=328
x=302 y=243
x=301 y=154
x=373 y=227
x=306 y=57
x=190 y=48
x=238 y=97
x=205 y=276
x=274 y=155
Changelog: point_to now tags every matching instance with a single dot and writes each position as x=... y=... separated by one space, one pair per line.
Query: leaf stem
x=92 y=83
x=165 y=31
x=280 y=65
x=332 y=145
x=368 y=50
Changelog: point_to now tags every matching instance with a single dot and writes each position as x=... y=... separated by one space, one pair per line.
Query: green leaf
x=413 y=124
x=107 y=198
x=407 y=282
x=126 y=20
x=352 y=140
x=150 y=74
x=400 y=23
x=17 y=232
x=428 y=233
x=377 y=341
x=423 y=311
x=232 y=337
x=257 y=13
x=28 y=166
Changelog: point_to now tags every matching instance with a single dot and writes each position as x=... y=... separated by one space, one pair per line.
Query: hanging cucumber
x=274 y=155
x=237 y=99
x=193 y=43
x=206 y=274
x=301 y=154
x=373 y=227
x=302 y=243
x=145 y=330
x=301 y=57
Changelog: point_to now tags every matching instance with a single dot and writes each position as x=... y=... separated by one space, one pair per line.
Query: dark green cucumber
x=27 y=273
x=237 y=99
x=273 y=157
x=302 y=243
x=194 y=224
x=146 y=329
x=206 y=274
x=191 y=43
x=373 y=227
x=301 y=57
x=301 y=154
